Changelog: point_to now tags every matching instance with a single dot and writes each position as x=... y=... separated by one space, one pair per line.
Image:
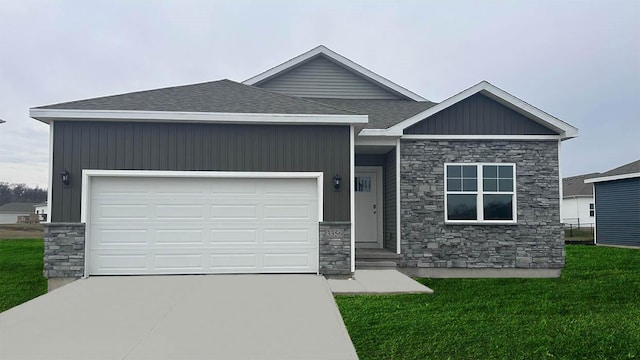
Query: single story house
x=41 y=210
x=578 y=204
x=9 y=212
x=297 y=169
x=617 y=205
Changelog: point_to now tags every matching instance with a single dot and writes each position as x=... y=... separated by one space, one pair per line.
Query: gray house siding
x=390 y=239
x=478 y=115
x=535 y=242
x=197 y=147
x=322 y=78
x=618 y=212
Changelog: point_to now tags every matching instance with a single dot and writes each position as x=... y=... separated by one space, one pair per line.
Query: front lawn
x=591 y=312
x=21 y=267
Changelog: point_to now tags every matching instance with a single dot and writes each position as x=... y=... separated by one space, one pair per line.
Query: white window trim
x=480 y=191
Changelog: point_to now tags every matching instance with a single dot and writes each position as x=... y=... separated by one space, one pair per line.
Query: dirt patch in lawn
x=21 y=231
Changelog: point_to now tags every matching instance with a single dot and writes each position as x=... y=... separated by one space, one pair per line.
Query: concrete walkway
x=180 y=317
x=378 y=282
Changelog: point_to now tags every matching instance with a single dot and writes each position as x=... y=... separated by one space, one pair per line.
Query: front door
x=368 y=198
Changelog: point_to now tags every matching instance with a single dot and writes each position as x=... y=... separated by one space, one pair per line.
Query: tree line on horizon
x=21 y=193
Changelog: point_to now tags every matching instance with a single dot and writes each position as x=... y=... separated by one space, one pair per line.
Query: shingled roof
x=630 y=168
x=222 y=96
x=574 y=186
x=382 y=113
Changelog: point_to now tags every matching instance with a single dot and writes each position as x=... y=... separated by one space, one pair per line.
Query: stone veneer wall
x=335 y=248
x=64 y=250
x=536 y=242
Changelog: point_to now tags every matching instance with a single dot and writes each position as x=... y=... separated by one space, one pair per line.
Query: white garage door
x=202 y=225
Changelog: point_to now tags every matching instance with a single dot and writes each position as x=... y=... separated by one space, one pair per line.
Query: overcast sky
x=577 y=60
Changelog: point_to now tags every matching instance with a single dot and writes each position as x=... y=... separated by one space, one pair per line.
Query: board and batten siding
x=390 y=208
x=478 y=115
x=618 y=212
x=322 y=78
x=197 y=147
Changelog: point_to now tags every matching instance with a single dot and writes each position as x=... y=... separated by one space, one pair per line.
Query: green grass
x=591 y=312
x=21 y=267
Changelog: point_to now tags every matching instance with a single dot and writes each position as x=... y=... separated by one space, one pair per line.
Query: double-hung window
x=480 y=193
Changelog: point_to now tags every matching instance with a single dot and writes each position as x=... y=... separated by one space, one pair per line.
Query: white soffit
x=323 y=50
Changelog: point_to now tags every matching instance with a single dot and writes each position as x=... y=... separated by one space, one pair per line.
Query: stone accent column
x=335 y=248
x=63 y=252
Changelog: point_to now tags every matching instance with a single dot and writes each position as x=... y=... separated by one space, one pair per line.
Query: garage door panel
x=212 y=226
x=234 y=236
x=175 y=211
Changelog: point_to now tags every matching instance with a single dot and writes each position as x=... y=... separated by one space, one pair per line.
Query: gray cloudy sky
x=577 y=60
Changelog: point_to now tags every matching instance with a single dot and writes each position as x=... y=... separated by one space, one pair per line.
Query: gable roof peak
x=322 y=50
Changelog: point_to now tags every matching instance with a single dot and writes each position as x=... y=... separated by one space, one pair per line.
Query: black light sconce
x=336 y=182
x=66 y=178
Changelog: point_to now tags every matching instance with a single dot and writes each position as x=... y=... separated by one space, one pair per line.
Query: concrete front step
x=362 y=264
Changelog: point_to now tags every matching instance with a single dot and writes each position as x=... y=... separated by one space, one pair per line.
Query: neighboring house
x=578 y=205
x=617 y=198
x=299 y=168
x=41 y=210
x=9 y=212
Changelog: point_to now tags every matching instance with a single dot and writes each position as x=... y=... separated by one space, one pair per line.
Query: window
x=363 y=184
x=592 y=209
x=480 y=193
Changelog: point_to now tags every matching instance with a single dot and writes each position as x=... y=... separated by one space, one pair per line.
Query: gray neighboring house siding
x=618 y=212
x=535 y=242
x=478 y=115
x=321 y=78
x=198 y=147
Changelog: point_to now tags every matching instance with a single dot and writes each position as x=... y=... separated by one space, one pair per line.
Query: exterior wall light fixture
x=336 y=182
x=66 y=178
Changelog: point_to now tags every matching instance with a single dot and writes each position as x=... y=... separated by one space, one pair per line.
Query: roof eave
x=48 y=115
x=613 y=177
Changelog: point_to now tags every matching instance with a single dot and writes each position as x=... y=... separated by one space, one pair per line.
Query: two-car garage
x=201 y=222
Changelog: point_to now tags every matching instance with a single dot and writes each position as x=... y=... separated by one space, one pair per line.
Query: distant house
x=9 y=212
x=578 y=204
x=41 y=210
x=617 y=205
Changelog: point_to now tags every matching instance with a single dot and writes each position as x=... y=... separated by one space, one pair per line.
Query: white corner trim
x=47 y=115
x=566 y=130
x=611 y=178
x=339 y=59
x=482 y=137
x=352 y=200
x=398 y=218
x=595 y=216
x=50 y=190
x=560 y=181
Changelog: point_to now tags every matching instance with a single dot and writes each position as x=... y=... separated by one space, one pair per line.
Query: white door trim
x=379 y=198
x=88 y=174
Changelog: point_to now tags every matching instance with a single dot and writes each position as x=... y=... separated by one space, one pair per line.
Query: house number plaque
x=335 y=234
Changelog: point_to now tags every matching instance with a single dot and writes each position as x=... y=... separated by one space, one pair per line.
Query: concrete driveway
x=180 y=317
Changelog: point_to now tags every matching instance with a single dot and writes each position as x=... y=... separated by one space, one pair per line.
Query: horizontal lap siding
x=321 y=78
x=197 y=147
x=478 y=115
x=618 y=212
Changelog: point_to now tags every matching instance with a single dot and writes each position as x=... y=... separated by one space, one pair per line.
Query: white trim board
x=339 y=59
x=481 y=137
x=48 y=115
x=611 y=178
x=352 y=194
x=50 y=190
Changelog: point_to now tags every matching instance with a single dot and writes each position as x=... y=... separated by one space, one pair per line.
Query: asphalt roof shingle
x=630 y=168
x=382 y=113
x=17 y=208
x=575 y=186
x=223 y=96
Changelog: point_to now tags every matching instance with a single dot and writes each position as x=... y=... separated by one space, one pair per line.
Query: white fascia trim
x=47 y=115
x=375 y=132
x=611 y=178
x=352 y=200
x=482 y=137
x=398 y=218
x=50 y=190
x=566 y=130
x=376 y=141
x=339 y=59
